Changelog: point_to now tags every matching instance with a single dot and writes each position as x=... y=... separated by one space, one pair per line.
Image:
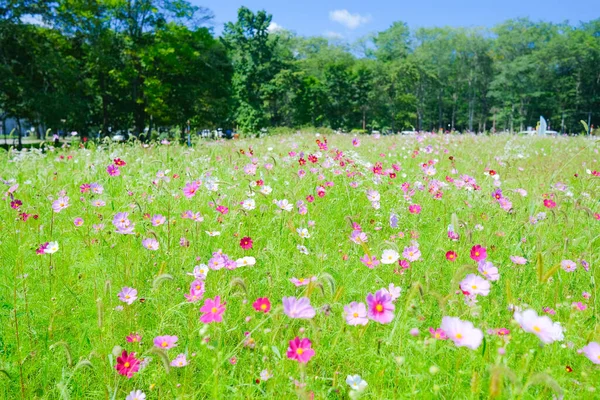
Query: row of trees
x=89 y=65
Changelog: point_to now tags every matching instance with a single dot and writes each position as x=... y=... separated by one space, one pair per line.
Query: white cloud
x=350 y=21
x=274 y=27
x=333 y=35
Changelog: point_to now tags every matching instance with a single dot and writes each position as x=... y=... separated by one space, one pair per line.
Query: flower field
x=302 y=266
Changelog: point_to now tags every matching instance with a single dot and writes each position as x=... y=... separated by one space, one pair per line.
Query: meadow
x=302 y=266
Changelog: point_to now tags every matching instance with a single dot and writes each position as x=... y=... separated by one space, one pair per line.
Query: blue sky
x=350 y=19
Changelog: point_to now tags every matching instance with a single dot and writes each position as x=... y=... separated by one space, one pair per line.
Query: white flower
x=393 y=291
x=389 y=256
x=246 y=261
x=212 y=233
x=266 y=190
x=284 y=205
x=200 y=271
x=136 y=395
x=356 y=382
x=542 y=327
x=303 y=232
x=51 y=248
x=462 y=333
x=302 y=249
x=265 y=375
x=248 y=204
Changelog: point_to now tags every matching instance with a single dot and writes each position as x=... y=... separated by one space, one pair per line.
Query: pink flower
x=78 y=221
x=592 y=352
x=478 y=253
x=262 y=304
x=180 y=361
x=113 y=170
x=542 y=327
x=165 y=342
x=356 y=313
x=411 y=253
x=213 y=310
x=518 y=260
x=356 y=142
x=438 y=334
x=300 y=350
x=462 y=333
x=127 y=364
x=381 y=308
x=568 y=265
x=150 y=243
x=190 y=189
x=579 y=306
x=488 y=270
x=414 y=209
x=298 y=308
x=475 y=285
x=222 y=209
x=134 y=338
x=302 y=281
x=60 y=204
x=158 y=220
x=370 y=262
x=128 y=295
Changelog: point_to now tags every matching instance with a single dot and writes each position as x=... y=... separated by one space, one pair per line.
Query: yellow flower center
x=263 y=307
x=299 y=351
x=379 y=307
x=355 y=315
x=474 y=287
x=459 y=336
x=477 y=253
x=164 y=344
x=213 y=310
x=537 y=329
x=127 y=365
x=127 y=296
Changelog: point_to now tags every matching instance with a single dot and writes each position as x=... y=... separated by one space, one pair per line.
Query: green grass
x=59 y=326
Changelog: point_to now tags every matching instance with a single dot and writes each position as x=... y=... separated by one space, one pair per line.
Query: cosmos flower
x=475 y=285
x=370 y=262
x=303 y=281
x=180 y=361
x=128 y=295
x=190 y=189
x=51 y=248
x=478 y=253
x=246 y=243
x=284 y=205
x=165 y=342
x=592 y=352
x=380 y=307
x=127 y=364
x=245 y=262
x=150 y=243
x=451 y=255
x=462 y=333
x=414 y=209
x=60 y=204
x=411 y=253
x=113 y=170
x=136 y=395
x=518 y=260
x=298 y=308
x=212 y=310
x=488 y=270
x=356 y=383
x=262 y=304
x=389 y=256
x=78 y=221
x=542 y=327
x=300 y=350
x=356 y=314
x=158 y=220
x=568 y=265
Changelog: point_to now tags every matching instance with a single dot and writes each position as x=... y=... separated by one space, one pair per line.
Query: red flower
x=127 y=364
x=451 y=255
x=246 y=243
x=301 y=161
x=119 y=163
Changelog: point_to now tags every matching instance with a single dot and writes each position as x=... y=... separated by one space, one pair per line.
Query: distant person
x=56 y=140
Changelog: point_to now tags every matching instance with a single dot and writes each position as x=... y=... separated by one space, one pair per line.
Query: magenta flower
x=127 y=364
x=300 y=350
x=478 y=253
x=246 y=243
x=302 y=281
x=356 y=313
x=414 y=209
x=134 y=338
x=212 y=310
x=298 y=308
x=78 y=221
x=222 y=209
x=128 y=295
x=113 y=170
x=381 y=308
x=165 y=342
